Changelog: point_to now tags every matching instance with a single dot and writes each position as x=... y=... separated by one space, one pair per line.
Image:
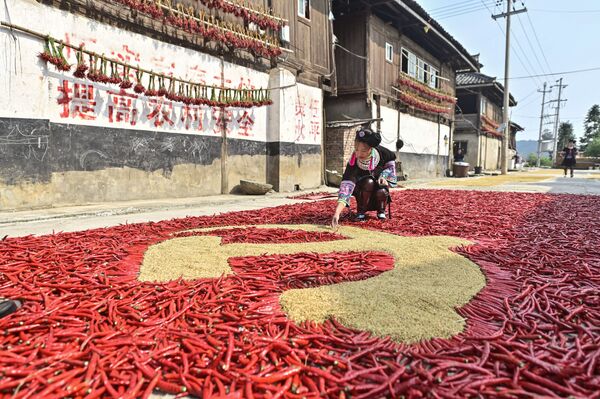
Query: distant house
x=396 y=66
x=478 y=132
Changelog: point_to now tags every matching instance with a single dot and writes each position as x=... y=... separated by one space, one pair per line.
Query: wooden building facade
x=397 y=66
x=478 y=131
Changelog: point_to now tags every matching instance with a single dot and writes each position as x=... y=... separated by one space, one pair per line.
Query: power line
x=566 y=11
x=461 y=11
x=536 y=82
x=538 y=117
x=538 y=42
x=557 y=73
x=533 y=50
x=459 y=4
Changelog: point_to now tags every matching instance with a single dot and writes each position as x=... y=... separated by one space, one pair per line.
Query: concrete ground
x=76 y=218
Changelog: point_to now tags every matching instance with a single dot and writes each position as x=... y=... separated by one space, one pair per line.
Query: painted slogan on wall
x=81 y=101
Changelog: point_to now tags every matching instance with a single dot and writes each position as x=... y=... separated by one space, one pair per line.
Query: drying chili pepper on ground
x=88 y=328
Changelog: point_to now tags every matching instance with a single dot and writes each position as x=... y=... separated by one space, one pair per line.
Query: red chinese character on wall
x=161 y=111
x=121 y=107
x=245 y=122
x=192 y=116
x=245 y=83
x=198 y=74
x=300 y=115
x=81 y=105
x=315 y=117
x=222 y=118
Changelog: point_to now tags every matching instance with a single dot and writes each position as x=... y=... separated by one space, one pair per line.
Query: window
x=462 y=145
x=413 y=66
x=483 y=109
x=389 y=52
x=304 y=8
x=409 y=63
x=420 y=70
x=433 y=77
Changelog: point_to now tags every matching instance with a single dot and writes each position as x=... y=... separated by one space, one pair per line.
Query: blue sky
x=569 y=39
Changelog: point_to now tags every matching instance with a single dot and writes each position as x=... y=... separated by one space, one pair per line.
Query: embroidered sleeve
x=389 y=173
x=345 y=192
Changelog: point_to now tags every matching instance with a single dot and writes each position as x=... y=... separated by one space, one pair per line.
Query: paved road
x=76 y=218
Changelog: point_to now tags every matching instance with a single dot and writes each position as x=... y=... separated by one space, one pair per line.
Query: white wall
x=33 y=90
x=419 y=135
x=301 y=107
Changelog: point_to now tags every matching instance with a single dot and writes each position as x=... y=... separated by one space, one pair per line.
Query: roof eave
x=469 y=61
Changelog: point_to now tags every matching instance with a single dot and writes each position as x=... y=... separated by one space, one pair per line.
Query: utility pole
x=560 y=87
x=507 y=14
x=539 y=150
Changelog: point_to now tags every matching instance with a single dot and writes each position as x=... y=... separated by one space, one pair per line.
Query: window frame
x=389 y=51
x=306 y=7
x=434 y=74
x=419 y=69
x=483 y=105
x=462 y=144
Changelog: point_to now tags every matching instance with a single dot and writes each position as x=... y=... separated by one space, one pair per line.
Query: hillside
x=526 y=147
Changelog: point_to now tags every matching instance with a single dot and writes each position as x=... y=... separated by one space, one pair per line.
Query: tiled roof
x=473 y=78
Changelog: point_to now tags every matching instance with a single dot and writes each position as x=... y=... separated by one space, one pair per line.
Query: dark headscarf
x=367 y=136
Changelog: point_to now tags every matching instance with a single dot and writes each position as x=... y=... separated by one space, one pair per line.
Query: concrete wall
x=491 y=150
x=65 y=140
x=481 y=150
x=294 y=134
x=424 y=147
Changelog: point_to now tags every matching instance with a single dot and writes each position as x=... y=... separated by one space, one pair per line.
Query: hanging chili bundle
x=139 y=87
x=82 y=67
x=53 y=54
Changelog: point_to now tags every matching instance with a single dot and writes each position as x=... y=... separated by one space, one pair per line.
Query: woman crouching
x=368 y=176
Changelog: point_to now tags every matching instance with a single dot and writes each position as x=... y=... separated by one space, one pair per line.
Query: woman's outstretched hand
x=335 y=222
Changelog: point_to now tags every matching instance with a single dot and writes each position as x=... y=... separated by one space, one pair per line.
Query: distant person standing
x=569 y=154
x=459 y=157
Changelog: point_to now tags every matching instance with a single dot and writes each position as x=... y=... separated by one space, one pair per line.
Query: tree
x=544 y=161
x=547 y=135
x=565 y=134
x=593 y=148
x=532 y=159
x=591 y=126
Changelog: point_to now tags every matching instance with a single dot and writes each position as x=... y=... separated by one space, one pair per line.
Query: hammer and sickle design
x=415 y=300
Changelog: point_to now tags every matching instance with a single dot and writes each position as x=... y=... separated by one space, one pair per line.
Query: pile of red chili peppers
x=89 y=328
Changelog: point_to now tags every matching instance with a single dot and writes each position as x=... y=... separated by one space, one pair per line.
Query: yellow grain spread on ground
x=413 y=301
x=488 y=181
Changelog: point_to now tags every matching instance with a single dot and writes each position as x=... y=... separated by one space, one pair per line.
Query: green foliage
x=591 y=126
x=565 y=134
x=593 y=148
x=544 y=161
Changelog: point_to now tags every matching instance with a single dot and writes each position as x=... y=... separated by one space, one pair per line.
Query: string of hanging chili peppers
x=421 y=88
x=422 y=105
x=490 y=126
x=422 y=97
x=262 y=18
x=214 y=29
x=180 y=90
